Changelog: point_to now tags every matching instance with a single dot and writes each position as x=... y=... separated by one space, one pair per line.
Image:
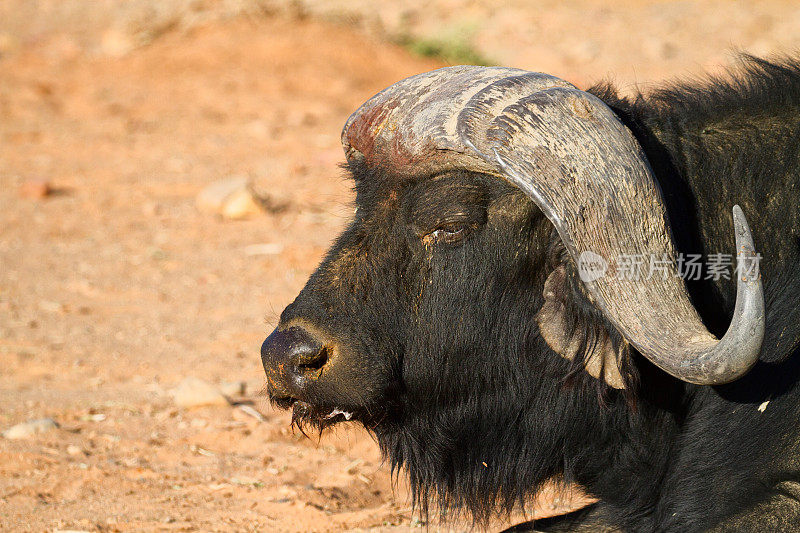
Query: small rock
x=233 y=388
x=201 y=451
x=194 y=392
x=51 y=307
x=245 y=480
x=74 y=450
x=198 y=423
x=35 y=189
x=30 y=428
x=232 y=198
x=116 y=43
x=247 y=413
x=212 y=197
x=241 y=204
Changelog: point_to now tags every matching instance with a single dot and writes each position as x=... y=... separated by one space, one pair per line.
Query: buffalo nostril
x=313 y=362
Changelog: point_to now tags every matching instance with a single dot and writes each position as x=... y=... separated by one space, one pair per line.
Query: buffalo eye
x=450 y=234
x=447 y=209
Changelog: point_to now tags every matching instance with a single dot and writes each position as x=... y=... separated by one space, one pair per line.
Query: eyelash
x=447 y=235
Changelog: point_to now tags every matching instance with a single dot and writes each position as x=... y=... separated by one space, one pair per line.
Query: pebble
x=245 y=480
x=74 y=450
x=241 y=204
x=35 y=189
x=246 y=413
x=231 y=198
x=198 y=423
x=116 y=43
x=30 y=428
x=194 y=392
x=51 y=307
x=233 y=388
x=213 y=196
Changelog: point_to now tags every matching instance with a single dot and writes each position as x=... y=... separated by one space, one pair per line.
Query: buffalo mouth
x=305 y=414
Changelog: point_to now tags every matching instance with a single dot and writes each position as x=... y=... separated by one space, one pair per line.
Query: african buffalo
x=480 y=317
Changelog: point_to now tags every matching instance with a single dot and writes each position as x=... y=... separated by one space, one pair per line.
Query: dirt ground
x=115 y=287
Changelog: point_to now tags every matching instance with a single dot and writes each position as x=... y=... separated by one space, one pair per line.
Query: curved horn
x=584 y=169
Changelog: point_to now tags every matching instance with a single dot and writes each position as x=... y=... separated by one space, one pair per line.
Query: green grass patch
x=453 y=50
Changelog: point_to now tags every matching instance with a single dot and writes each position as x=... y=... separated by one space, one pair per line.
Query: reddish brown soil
x=115 y=287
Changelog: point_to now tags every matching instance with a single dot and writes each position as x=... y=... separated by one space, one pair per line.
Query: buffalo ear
x=568 y=326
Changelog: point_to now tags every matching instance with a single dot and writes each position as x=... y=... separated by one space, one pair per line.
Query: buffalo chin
x=306 y=415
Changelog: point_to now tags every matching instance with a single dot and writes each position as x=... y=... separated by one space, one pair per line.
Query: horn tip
x=738 y=214
x=744 y=237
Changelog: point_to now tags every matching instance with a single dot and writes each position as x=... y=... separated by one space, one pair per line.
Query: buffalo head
x=448 y=313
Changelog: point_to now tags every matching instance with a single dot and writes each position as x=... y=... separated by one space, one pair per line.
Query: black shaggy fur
x=432 y=293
